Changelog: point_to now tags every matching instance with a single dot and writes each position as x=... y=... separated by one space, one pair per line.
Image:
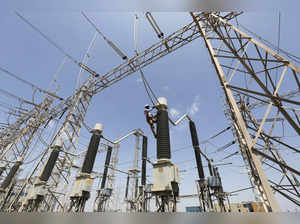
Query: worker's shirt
x=148 y=113
x=149 y=116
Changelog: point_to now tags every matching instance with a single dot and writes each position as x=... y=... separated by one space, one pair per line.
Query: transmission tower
x=236 y=55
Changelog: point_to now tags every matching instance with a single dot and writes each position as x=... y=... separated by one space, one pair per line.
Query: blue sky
x=186 y=78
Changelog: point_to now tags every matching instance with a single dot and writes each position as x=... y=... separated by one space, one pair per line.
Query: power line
x=146 y=84
x=224 y=147
x=268 y=43
x=110 y=43
x=29 y=83
x=95 y=74
x=17 y=97
x=47 y=38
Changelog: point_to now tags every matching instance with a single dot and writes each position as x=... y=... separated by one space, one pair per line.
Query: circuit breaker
x=83 y=183
x=38 y=189
x=163 y=175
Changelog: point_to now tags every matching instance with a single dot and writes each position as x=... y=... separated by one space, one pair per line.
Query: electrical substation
x=260 y=83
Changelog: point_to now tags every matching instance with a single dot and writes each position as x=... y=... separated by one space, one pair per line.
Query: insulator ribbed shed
x=1 y=170
x=49 y=165
x=163 y=135
x=12 y=173
x=195 y=142
x=127 y=187
x=90 y=156
x=107 y=161
x=210 y=169
x=144 y=160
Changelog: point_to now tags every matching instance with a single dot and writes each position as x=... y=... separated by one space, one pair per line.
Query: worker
x=151 y=119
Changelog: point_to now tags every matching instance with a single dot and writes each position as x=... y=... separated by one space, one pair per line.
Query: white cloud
x=194 y=108
x=139 y=80
x=166 y=88
x=174 y=113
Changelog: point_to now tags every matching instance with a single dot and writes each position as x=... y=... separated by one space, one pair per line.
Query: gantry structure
x=248 y=75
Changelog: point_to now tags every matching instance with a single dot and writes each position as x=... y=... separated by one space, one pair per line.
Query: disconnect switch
x=82 y=185
x=165 y=174
x=38 y=190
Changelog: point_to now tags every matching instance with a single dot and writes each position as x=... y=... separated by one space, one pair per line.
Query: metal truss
x=248 y=69
x=77 y=105
x=69 y=132
x=235 y=50
x=20 y=146
x=168 y=45
x=21 y=142
x=12 y=132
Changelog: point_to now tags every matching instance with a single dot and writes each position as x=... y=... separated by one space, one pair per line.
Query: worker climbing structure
x=63 y=177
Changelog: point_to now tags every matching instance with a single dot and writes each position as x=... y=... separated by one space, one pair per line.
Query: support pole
x=107 y=161
x=12 y=173
x=144 y=161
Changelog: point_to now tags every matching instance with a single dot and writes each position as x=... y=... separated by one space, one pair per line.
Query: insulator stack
x=90 y=156
x=107 y=161
x=46 y=173
x=163 y=135
x=144 y=160
x=1 y=170
x=117 y=50
x=12 y=173
x=195 y=142
x=154 y=25
x=127 y=186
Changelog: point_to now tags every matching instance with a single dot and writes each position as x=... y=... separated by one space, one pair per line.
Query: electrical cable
x=110 y=43
x=29 y=83
x=47 y=38
x=145 y=85
x=224 y=147
x=145 y=82
x=268 y=43
x=86 y=58
x=216 y=135
x=186 y=147
x=81 y=65
x=17 y=97
x=230 y=155
x=31 y=161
